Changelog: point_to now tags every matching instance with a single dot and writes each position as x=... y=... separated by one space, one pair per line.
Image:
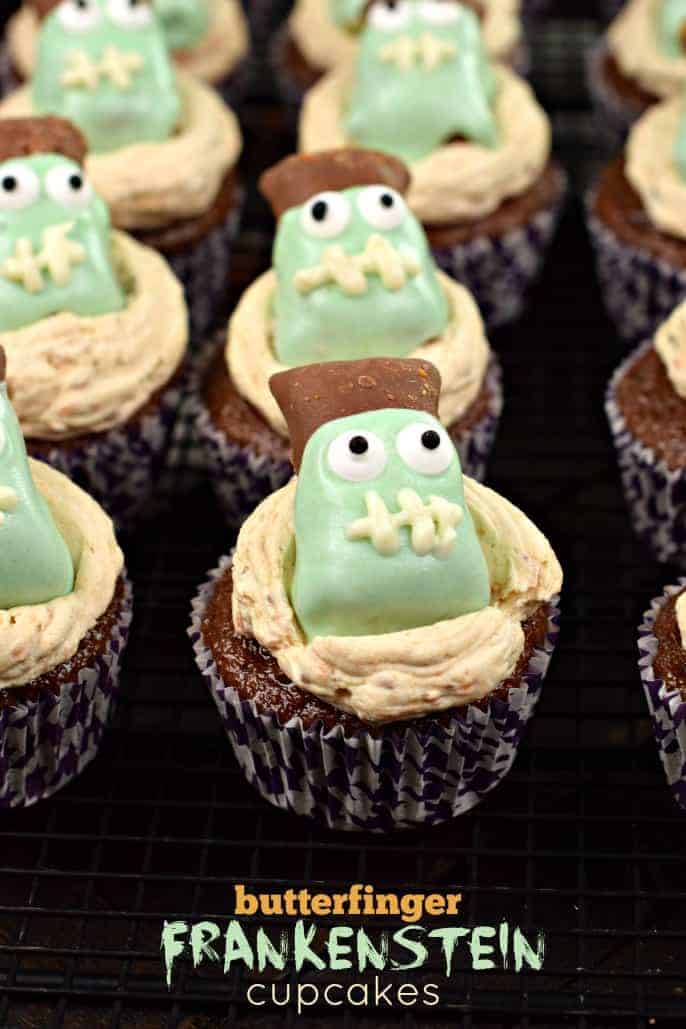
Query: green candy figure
x=346 y=13
x=35 y=564
x=104 y=65
x=672 y=28
x=184 y=22
x=355 y=275
x=422 y=78
x=55 y=238
x=384 y=540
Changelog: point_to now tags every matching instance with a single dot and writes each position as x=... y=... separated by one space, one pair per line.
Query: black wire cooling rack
x=581 y=841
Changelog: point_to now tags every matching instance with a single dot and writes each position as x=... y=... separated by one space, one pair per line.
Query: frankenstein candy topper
x=35 y=563
x=347 y=14
x=671 y=27
x=354 y=273
x=422 y=78
x=184 y=22
x=384 y=540
x=55 y=238
x=104 y=65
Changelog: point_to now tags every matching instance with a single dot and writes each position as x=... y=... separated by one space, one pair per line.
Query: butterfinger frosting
x=670 y=343
x=459 y=181
x=634 y=42
x=652 y=170
x=71 y=375
x=38 y=638
x=325 y=45
x=150 y=185
x=461 y=353
x=407 y=674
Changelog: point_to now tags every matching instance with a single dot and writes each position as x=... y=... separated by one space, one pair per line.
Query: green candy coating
x=671 y=21
x=144 y=110
x=35 y=563
x=184 y=22
x=412 y=110
x=343 y=587
x=328 y=324
x=44 y=186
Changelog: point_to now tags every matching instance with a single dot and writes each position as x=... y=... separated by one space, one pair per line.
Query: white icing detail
x=379 y=215
x=349 y=271
x=57 y=256
x=432 y=524
x=335 y=219
x=428 y=51
x=26 y=186
x=410 y=446
x=75 y=17
x=390 y=17
x=119 y=66
x=357 y=467
x=9 y=500
x=129 y=15
x=58 y=185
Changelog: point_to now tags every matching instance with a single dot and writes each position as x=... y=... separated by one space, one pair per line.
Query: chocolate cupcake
x=93 y=323
x=65 y=611
x=163 y=146
x=477 y=143
x=662 y=650
x=378 y=643
x=646 y=407
x=321 y=34
x=637 y=223
x=353 y=277
x=640 y=60
x=208 y=38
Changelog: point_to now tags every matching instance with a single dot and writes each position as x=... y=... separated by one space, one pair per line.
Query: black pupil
x=320 y=210
x=431 y=440
x=358 y=445
x=75 y=181
x=9 y=183
x=82 y=4
x=386 y=200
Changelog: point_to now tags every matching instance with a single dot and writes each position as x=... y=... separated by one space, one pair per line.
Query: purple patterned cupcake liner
x=667 y=707
x=499 y=270
x=655 y=494
x=47 y=742
x=204 y=269
x=120 y=468
x=614 y=117
x=242 y=477
x=639 y=290
x=398 y=778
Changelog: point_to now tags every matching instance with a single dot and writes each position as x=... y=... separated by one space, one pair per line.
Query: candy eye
x=19 y=187
x=357 y=456
x=68 y=186
x=382 y=207
x=390 y=15
x=326 y=215
x=425 y=449
x=130 y=14
x=439 y=12
x=79 y=15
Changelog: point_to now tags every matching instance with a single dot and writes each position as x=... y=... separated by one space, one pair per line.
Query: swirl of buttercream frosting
x=652 y=170
x=36 y=639
x=633 y=41
x=407 y=674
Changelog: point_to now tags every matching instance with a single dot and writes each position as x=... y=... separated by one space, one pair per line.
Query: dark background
x=582 y=840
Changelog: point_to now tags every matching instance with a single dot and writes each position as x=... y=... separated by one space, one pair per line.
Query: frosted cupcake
x=662 y=649
x=353 y=277
x=163 y=146
x=321 y=34
x=65 y=611
x=646 y=406
x=378 y=643
x=640 y=60
x=477 y=143
x=208 y=38
x=638 y=223
x=94 y=325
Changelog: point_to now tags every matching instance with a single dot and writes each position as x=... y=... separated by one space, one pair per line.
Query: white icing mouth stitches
x=349 y=271
x=57 y=257
x=432 y=524
x=428 y=51
x=119 y=66
x=9 y=501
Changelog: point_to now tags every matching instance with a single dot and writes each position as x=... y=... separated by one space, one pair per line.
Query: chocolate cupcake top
x=353 y=277
x=656 y=164
x=423 y=88
x=380 y=579
x=648 y=43
x=59 y=561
